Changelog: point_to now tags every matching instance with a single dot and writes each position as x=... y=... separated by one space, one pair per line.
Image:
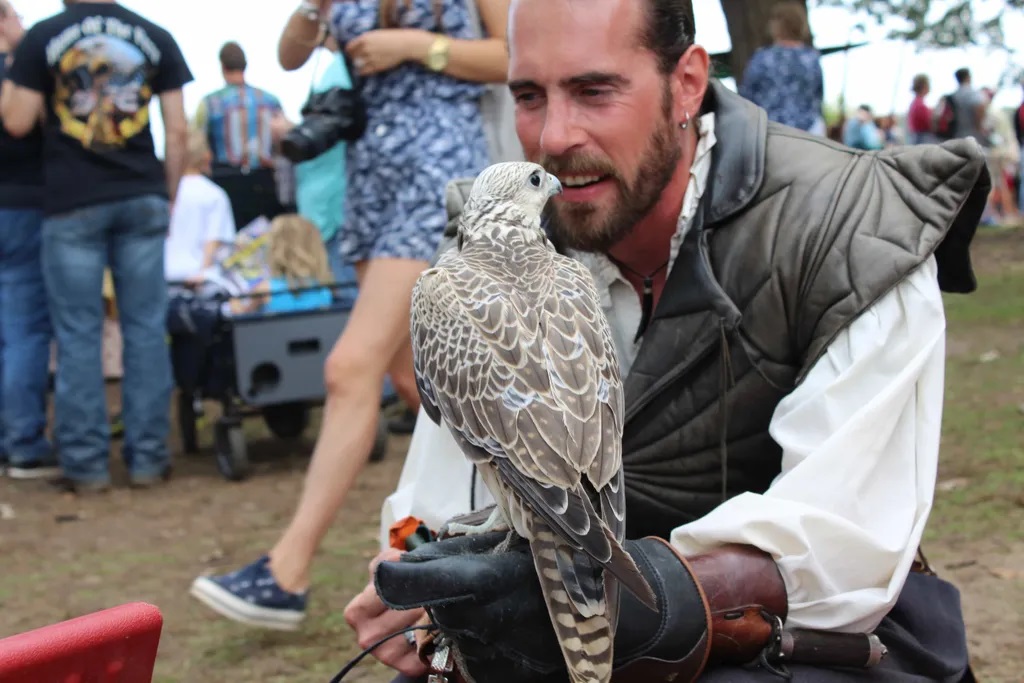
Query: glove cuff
x=741 y=592
x=680 y=645
x=746 y=596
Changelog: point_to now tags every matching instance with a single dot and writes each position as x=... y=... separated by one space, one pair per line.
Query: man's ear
x=690 y=82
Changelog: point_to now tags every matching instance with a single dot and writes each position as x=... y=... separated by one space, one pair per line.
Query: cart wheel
x=187 y=423
x=287 y=420
x=232 y=454
x=380 y=444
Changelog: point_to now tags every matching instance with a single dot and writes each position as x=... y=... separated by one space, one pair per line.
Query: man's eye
x=594 y=92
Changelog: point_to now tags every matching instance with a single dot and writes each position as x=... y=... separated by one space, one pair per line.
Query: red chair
x=116 y=645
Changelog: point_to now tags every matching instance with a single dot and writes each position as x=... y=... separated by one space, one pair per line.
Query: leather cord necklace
x=647 y=299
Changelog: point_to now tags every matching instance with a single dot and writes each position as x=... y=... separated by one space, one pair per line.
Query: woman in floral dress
x=424 y=70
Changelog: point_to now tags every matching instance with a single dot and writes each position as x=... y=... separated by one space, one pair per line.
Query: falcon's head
x=526 y=186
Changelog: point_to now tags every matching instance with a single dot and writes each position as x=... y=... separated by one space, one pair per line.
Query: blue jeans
x=128 y=235
x=25 y=336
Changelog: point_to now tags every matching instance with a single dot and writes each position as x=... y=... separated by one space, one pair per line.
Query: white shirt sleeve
x=860 y=441
x=436 y=481
x=220 y=225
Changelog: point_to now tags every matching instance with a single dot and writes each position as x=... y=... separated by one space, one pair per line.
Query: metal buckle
x=771 y=656
x=441 y=664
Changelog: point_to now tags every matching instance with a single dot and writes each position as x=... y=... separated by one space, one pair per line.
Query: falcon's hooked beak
x=554 y=185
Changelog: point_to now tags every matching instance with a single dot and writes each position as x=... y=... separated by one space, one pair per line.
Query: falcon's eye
x=535 y=179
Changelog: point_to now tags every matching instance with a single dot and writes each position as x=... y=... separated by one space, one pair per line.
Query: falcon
x=513 y=353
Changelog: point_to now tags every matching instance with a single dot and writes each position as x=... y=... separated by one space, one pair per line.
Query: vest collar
x=694 y=310
x=738 y=160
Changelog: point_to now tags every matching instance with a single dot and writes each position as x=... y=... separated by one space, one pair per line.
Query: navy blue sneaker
x=251 y=596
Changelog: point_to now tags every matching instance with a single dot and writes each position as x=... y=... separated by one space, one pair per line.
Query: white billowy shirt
x=860 y=442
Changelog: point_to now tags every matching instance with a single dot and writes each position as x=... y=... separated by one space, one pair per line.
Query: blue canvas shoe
x=251 y=596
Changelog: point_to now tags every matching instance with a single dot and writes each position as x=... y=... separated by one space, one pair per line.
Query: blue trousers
x=25 y=336
x=128 y=235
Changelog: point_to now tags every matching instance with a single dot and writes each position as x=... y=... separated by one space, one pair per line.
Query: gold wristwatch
x=437 y=55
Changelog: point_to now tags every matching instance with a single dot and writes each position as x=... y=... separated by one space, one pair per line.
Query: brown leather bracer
x=742 y=591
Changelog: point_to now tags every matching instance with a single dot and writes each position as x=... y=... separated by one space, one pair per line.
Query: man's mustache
x=577 y=164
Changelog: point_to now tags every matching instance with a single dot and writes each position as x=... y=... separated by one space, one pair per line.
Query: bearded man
x=775 y=300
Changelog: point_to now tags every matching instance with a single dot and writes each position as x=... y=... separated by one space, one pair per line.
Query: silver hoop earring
x=685 y=124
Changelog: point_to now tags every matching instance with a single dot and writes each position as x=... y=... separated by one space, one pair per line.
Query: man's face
x=593 y=109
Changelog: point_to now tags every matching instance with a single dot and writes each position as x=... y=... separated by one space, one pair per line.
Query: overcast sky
x=878 y=75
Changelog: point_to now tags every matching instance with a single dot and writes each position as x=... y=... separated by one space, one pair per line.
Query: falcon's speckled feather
x=513 y=352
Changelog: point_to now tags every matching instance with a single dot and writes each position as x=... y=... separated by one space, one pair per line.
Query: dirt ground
x=62 y=557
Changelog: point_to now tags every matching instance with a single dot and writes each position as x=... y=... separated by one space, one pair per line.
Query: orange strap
x=401 y=530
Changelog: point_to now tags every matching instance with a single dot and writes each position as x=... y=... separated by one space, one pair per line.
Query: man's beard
x=577 y=225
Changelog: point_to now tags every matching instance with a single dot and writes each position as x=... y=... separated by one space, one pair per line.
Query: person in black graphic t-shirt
x=91 y=72
x=25 y=331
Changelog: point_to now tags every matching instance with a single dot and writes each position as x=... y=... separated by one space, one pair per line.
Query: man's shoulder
x=200 y=189
x=151 y=27
x=215 y=96
x=794 y=156
x=211 y=191
x=265 y=95
x=45 y=29
x=966 y=96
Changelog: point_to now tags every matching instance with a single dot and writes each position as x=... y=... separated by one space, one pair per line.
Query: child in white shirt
x=201 y=220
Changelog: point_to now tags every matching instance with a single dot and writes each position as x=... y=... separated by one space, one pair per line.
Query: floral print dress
x=787 y=83
x=424 y=129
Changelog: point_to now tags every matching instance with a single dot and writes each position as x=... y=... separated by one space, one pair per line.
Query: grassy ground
x=976 y=533
x=62 y=557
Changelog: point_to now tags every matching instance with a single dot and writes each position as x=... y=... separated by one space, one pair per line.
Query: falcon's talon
x=496 y=522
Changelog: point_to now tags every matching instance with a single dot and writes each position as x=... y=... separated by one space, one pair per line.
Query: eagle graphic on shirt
x=102 y=92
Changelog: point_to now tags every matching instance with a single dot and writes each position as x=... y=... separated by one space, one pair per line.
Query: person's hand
x=372 y=620
x=280 y=126
x=384 y=49
x=490 y=605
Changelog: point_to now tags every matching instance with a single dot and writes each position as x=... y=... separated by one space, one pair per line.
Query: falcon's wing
x=523 y=369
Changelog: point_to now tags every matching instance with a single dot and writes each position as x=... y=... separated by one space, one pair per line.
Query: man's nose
x=561 y=133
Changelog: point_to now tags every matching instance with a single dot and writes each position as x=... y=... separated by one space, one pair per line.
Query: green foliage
x=934 y=23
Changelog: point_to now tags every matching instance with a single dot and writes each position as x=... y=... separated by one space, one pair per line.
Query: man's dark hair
x=669 y=31
x=232 y=57
x=962 y=75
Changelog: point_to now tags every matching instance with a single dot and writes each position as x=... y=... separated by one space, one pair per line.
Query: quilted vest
x=795 y=237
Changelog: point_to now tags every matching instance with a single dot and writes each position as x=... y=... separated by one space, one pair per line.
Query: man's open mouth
x=579 y=181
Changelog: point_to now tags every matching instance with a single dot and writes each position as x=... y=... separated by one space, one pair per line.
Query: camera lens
x=330 y=117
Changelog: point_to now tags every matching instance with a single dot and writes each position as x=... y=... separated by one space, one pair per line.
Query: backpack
x=497 y=108
x=945 y=118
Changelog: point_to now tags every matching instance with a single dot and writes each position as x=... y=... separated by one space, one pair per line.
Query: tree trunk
x=748 y=30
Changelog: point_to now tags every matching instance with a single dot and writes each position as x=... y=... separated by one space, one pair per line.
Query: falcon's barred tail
x=586 y=642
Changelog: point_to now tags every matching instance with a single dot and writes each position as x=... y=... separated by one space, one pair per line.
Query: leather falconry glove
x=716 y=608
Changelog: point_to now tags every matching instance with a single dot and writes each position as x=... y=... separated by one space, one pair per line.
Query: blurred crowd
x=785 y=79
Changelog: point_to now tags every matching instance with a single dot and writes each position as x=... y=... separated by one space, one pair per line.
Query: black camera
x=328 y=117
